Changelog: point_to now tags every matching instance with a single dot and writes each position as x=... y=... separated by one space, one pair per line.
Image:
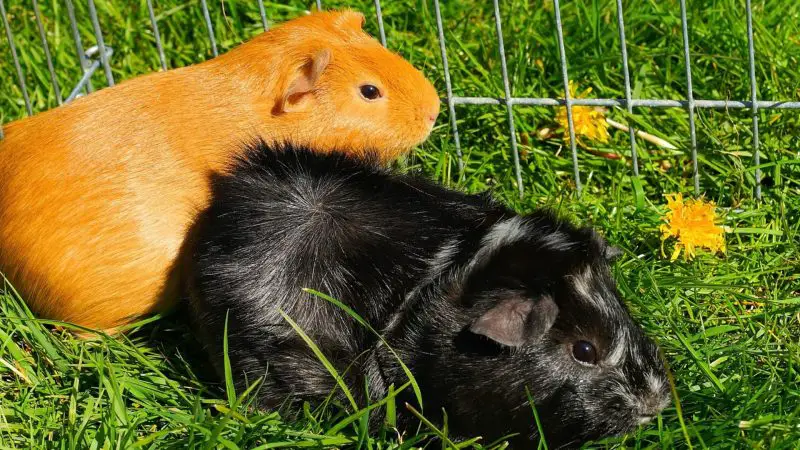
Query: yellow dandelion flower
x=589 y=122
x=693 y=223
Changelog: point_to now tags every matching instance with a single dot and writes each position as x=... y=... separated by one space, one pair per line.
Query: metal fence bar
x=156 y=34
x=567 y=97
x=84 y=81
x=380 y=21
x=98 y=32
x=37 y=14
x=626 y=73
x=209 y=27
x=15 y=59
x=87 y=74
x=690 y=96
x=76 y=36
x=623 y=103
x=753 y=94
x=449 y=88
x=509 y=103
x=319 y=5
x=263 y=14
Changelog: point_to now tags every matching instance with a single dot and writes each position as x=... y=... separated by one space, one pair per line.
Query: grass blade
x=324 y=360
x=364 y=323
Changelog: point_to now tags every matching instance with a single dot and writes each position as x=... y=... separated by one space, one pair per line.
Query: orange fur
x=96 y=196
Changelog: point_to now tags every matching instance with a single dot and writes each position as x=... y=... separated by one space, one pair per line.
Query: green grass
x=729 y=325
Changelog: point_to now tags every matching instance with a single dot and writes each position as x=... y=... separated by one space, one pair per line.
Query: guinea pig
x=480 y=303
x=96 y=196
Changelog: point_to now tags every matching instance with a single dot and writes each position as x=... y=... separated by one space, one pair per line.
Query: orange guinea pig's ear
x=349 y=19
x=299 y=92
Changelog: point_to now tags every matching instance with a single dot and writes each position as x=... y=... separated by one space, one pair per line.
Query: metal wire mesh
x=100 y=55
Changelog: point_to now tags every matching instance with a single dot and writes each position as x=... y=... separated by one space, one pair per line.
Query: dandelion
x=692 y=222
x=593 y=124
x=589 y=122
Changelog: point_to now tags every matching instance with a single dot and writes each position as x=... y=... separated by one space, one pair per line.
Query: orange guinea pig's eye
x=370 y=92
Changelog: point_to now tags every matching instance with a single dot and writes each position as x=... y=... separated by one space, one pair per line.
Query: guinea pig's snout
x=651 y=405
x=430 y=114
x=644 y=420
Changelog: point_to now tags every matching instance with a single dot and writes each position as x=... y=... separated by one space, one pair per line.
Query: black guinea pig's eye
x=584 y=352
x=370 y=92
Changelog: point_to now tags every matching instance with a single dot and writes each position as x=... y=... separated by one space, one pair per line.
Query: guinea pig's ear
x=516 y=320
x=299 y=91
x=350 y=20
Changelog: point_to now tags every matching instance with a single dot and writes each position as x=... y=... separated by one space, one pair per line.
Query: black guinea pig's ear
x=513 y=321
x=299 y=92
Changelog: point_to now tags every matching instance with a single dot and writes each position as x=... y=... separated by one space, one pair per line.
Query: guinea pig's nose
x=650 y=406
x=430 y=113
x=433 y=114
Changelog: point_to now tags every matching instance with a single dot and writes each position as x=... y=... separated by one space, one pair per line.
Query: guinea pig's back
x=289 y=218
x=96 y=197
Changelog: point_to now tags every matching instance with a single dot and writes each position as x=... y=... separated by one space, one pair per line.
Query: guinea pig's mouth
x=644 y=420
x=427 y=129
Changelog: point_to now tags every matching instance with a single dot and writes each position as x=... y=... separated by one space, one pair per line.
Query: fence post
x=37 y=14
x=567 y=96
x=690 y=96
x=627 y=75
x=449 y=87
x=263 y=14
x=209 y=27
x=753 y=95
x=156 y=35
x=76 y=36
x=380 y=22
x=101 y=45
x=15 y=58
x=508 y=100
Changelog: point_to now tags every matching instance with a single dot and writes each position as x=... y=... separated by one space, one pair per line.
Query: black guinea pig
x=479 y=302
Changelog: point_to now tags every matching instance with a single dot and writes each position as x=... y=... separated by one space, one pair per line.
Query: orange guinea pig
x=96 y=196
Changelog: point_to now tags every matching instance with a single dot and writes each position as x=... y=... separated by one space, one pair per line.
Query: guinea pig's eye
x=584 y=352
x=370 y=92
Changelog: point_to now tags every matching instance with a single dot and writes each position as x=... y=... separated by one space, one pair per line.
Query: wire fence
x=100 y=55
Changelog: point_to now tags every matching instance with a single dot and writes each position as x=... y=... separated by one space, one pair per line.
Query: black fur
x=479 y=303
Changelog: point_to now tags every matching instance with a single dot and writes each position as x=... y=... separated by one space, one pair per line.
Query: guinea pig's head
x=342 y=89
x=535 y=307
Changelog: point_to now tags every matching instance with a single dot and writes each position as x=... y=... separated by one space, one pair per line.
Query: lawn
x=729 y=324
